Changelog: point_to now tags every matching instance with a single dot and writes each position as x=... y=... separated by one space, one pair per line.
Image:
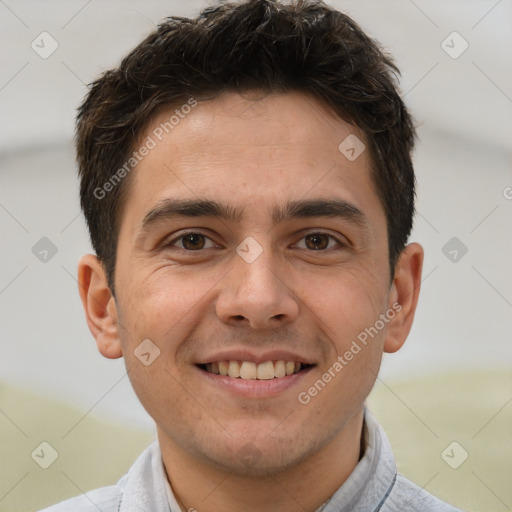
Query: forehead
x=291 y=122
x=250 y=150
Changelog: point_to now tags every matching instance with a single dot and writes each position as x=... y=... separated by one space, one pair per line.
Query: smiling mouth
x=248 y=370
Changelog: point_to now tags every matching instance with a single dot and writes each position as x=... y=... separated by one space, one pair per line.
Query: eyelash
x=183 y=235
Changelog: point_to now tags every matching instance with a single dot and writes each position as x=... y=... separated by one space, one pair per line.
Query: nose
x=256 y=294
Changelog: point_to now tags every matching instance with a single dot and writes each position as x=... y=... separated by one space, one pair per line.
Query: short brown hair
x=259 y=45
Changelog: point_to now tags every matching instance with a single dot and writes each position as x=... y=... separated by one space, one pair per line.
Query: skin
x=253 y=153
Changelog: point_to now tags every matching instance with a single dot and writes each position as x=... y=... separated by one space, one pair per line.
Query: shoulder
x=405 y=495
x=106 y=499
x=136 y=485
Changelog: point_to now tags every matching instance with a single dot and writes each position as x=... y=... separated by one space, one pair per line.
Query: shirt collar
x=146 y=486
x=371 y=481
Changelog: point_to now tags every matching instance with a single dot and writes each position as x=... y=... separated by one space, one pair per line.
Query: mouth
x=249 y=370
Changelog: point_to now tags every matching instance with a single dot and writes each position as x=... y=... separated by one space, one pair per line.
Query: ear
x=405 y=291
x=99 y=306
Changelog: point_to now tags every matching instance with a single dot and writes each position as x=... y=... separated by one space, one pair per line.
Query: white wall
x=464 y=110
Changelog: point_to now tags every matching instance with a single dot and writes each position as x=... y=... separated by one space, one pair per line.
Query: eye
x=192 y=242
x=318 y=242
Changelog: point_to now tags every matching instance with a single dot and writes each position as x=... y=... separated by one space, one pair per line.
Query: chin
x=260 y=458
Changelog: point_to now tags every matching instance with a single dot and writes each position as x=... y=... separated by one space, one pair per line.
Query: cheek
x=165 y=397
x=348 y=309
x=161 y=305
x=164 y=315
x=348 y=304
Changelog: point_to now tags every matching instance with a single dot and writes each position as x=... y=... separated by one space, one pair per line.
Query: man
x=247 y=181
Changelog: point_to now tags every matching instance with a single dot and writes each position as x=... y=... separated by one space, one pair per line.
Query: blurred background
x=445 y=399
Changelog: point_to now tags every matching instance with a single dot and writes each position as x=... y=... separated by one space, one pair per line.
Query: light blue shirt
x=373 y=486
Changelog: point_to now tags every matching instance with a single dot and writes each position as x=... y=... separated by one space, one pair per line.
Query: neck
x=197 y=484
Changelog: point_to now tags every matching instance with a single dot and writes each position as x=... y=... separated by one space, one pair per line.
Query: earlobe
x=99 y=306
x=403 y=297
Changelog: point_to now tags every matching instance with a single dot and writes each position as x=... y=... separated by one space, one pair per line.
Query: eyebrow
x=336 y=208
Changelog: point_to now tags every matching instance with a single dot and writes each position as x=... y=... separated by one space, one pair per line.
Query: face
x=249 y=243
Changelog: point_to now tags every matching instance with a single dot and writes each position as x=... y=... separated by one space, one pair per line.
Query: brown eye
x=317 y=241
x=193 y=241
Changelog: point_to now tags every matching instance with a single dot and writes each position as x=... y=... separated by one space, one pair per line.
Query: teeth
x=249 y=370
x=266 y=370
x=234 y=369
x=280 y=369
x=223 y=367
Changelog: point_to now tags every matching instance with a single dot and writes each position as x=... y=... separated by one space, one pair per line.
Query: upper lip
x=246 y=355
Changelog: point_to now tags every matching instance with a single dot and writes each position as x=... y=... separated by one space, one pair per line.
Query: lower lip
x=254 y=388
